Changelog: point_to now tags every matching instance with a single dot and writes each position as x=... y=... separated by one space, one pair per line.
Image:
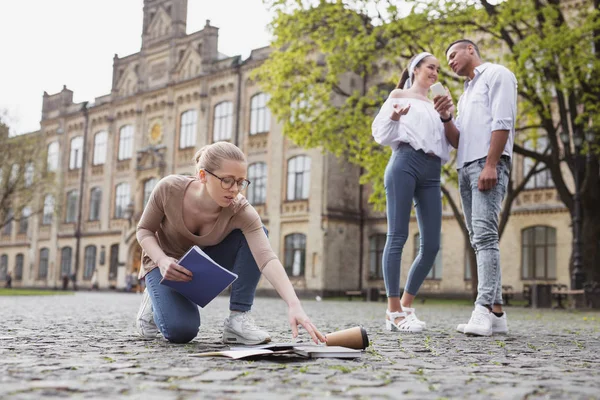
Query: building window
x=223 y=121
x=436 y=269
x=121 y=199
x=66 y=255
x=7 y=229
x=71 y=215
x=125 y=142
x=24 y=222
x=28 y=175
x=3 y=267
x=43 y=267
x=257 y=191
x=48 y=209
x=19 y=267
x=295 y=254
x=90 y=262
x=541 y=180
x=260 y=116
x=538 y=252
x=187 y=133
x=298 y=182
x=114 y=261
x=14 y=174
x=376 y=245
x=52 y=160
x=95 y=202
x=148 y=187
x=76 y=156
x=100 y=148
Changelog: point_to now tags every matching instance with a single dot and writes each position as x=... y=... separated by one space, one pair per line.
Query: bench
x=355 y=293
x=561 y=292
x=507 y=294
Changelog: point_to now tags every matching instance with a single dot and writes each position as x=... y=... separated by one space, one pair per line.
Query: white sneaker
x=499 y=324
x=145 y=318
x=410 y=313
x=480 y=323
x=406 y=324
x=240 y=328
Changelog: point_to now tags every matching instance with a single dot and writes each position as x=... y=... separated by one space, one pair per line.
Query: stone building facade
x=179 y=93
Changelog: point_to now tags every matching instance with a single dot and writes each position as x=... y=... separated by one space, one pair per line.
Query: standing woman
x=409 y=124
x=208 y=210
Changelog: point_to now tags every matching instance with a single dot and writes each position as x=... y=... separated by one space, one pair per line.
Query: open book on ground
x=208 y=281
x=274 y=349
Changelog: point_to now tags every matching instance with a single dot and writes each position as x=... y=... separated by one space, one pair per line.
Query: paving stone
x=85 y=346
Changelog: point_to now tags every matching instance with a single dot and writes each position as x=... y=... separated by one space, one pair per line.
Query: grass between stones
x=32 y=292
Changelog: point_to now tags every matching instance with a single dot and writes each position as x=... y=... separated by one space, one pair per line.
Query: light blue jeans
x=411 y=175
x=481 y=210
x=177 y=318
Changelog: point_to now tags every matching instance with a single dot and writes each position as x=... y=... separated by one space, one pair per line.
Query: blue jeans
x=481 y=210
x=177 y=318
x=411 y=174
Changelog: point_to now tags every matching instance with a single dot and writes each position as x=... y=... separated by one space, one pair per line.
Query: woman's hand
x=172 y=271
x=399 y=111
x=297 y=316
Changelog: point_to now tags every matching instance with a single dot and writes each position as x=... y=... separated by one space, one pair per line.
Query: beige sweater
x=163 y=218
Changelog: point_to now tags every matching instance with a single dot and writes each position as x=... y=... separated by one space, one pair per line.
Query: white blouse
x=421 y=127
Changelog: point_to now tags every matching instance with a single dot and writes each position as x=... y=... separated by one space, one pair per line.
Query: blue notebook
x=208 y=281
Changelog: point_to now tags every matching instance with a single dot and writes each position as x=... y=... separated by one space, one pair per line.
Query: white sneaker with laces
x=145 y=318
x=240 y=328
x=499 y=324
x=410 y=313
x=406 y=324
x=480 y=323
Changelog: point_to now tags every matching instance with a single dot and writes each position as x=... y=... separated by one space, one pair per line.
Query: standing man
x=483 y=133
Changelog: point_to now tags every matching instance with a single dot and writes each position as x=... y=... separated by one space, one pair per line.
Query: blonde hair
x=210 y=156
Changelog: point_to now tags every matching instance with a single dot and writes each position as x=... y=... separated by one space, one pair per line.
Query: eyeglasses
x=228 y=182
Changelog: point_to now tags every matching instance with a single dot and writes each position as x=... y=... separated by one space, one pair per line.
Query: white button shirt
x=421 y=127
x=489 y=103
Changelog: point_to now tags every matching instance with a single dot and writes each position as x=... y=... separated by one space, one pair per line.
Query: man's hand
x=488 y=178
x=399 y=111
x=297 y=316
x=172 y=271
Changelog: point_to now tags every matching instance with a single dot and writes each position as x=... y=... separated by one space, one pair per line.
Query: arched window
x=3 y=267
x=125 y=142
x=436 y=270
x=19 y=267
x=100 y=148
x=121 y=199
x=76 y=156
x=48 y=209
x=7 y=229
x=90 y=262
x=223 y=121
x=71 y=211
x=24 y=222
x=66 y=256
x=148 y=187
x=187 y=132
x=95 y=203
x=376 y=245
x=260 y=116
x=538 y=252
x=257 y=191
x=295 y=254
x=298 y=182
x=28 y=175
x=52 y=160
x=543 y=179
x=43 y=267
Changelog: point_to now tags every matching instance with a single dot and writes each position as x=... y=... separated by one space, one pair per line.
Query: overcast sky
x=50 y=43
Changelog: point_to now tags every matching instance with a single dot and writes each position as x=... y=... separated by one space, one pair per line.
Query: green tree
x=21 y=168
x=334 y=63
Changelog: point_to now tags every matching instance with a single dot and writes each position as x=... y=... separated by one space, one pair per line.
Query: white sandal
x=404 y=325
x=411 y=314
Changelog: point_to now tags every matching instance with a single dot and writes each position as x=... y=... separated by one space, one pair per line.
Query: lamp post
x=578 y=273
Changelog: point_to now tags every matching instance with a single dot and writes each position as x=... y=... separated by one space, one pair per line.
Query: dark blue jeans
x=177 y=318
x=411 y=175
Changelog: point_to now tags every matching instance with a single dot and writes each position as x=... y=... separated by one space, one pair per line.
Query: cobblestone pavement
x=85 y=346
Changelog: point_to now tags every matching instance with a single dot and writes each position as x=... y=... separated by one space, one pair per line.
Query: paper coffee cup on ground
x=354 y=338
